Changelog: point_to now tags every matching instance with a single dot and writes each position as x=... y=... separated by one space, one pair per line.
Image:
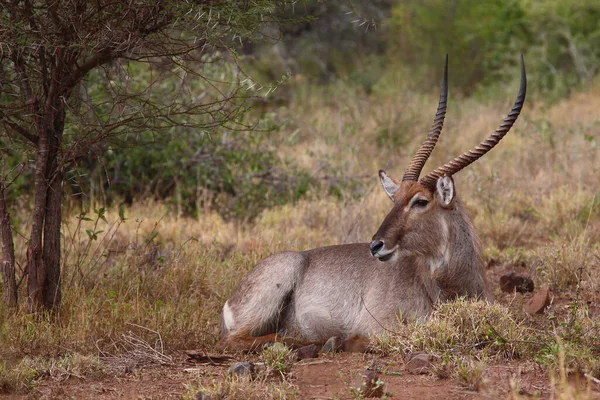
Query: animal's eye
x=420 y=203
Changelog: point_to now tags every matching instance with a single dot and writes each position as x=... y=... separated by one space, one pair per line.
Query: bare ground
x=330 y=377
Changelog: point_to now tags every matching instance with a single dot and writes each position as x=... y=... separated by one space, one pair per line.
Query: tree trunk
x=8 y=254
x=43 y=252
x=35 y=261
x=51 y=252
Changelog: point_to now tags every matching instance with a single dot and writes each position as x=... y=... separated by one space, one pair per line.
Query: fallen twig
x=591 y=378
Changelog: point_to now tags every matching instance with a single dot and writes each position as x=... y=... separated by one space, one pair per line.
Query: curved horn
x=418 y=161
x=477 y=152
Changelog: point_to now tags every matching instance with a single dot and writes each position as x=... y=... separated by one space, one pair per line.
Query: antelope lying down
x=425 y=251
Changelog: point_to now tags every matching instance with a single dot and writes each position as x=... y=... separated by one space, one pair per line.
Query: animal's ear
x=389 y=185
x=445 y=191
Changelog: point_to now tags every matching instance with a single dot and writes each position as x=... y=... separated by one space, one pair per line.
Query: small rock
x=539 y=302
x=201 y=396
x=369 y=384
x=420 y=363
x=305 y=352
x=334 y=344
x=513 y=281
x=412 y=355
x=242 y=369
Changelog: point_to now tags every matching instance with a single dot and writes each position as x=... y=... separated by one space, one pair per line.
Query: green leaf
x=152 y=236
x=122 y=214
x=100 y=212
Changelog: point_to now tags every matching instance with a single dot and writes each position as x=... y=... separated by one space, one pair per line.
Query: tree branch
x=102 y=57
x=19 y=129
x=29 y=102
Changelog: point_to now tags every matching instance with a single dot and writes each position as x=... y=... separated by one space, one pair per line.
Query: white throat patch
x=442 y=258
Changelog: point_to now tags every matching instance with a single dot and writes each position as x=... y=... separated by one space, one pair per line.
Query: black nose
x=375 y=246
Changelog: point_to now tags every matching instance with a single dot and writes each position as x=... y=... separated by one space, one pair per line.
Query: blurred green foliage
x=335 y=40
x=560 y=40
x=362 y=42
x=235 y=173
x=565 y=47
x=481 y=37
x=193 y=160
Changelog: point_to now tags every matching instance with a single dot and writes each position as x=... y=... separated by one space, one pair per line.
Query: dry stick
x=162 y=349
x=14 y=178
x=138 y=352
x=590 y=377
x=23 y=274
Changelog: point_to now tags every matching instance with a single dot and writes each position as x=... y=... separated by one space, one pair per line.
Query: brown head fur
x=431 y=226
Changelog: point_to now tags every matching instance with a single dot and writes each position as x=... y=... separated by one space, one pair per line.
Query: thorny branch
x=49 y=49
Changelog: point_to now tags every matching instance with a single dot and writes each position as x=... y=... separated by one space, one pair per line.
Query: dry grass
x=535 y=201
x=461 y=327
x=234 y=388
x=23 y=376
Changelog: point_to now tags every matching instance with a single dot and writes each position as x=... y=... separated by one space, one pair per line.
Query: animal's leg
x=356 y=344
x=246 y=344
x=250 y=344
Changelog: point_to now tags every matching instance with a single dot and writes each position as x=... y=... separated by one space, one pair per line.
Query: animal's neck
x=456 y=267
x=465 y=275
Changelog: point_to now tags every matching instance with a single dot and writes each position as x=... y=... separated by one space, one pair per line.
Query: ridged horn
x=418 y=161
x=477 y=152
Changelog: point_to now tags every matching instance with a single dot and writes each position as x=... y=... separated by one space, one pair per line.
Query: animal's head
x=423 y=208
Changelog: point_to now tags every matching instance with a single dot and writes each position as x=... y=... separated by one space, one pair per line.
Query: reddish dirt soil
x=327 y=377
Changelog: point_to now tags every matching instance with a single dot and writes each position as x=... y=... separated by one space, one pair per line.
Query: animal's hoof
x=332 y=345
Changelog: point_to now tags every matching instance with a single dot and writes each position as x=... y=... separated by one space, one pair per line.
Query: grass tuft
x=461 y=327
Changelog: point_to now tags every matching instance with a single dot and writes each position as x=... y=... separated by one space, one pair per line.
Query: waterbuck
x=425 y=251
